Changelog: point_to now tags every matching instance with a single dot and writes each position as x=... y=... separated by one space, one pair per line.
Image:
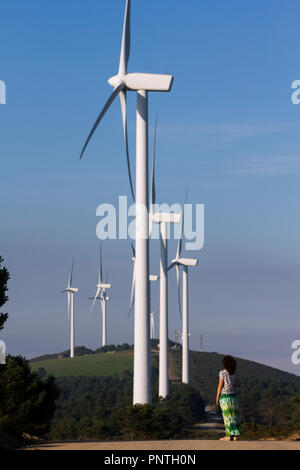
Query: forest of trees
x=27 y=402
x=101 y=408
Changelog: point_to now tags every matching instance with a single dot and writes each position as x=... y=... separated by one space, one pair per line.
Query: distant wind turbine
x=163 y=219
x=185 y=263
x=70 y=296
x=142 y=83
x=102 y=297
x=176 y=336
x=152 y=324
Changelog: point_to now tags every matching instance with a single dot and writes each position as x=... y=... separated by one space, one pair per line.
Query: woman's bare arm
x=220 y=386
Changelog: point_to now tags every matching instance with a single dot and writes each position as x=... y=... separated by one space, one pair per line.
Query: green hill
x=96 y=388
x=92 y=365
x=204 y=369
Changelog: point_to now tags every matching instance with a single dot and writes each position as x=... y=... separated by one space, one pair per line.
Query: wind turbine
x=201 y=342
x=142 y=83
x=102 y=297
x=162 y=218
x=152 y=325
x=176 y=336
x=70 y=296
x=185 y=263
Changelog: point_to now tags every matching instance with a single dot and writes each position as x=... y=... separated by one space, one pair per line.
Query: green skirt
x=231 y=414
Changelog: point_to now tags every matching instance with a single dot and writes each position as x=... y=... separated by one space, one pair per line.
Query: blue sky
x=228 y=130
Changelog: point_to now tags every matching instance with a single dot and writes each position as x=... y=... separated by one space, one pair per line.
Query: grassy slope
x=101 y=364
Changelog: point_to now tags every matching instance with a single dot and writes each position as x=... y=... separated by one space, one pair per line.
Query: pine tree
x=4 y=277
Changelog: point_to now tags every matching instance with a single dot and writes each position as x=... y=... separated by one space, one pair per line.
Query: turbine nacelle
x=71 y=289
x=104 y=286
x=185 y=261
x=143 y=81
x=166 y=217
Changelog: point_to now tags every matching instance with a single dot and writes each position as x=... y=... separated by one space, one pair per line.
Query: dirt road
x=173 y=445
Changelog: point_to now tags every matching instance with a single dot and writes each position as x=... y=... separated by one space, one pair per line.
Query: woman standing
x=227 y=399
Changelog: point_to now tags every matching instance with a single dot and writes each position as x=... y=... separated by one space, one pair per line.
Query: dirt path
x=173 y=445
x=213 y=423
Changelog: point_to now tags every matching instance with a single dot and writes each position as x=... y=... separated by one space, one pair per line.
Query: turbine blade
x=178 y=288
x=71 y=274
x=179 y=246
x=133 y=250
x=153 y=187
x=100 y=266
x=132 y=291
x=180 y=238
x=171 y=266
x=101 y=115
x=186 y=195
x=125 y=46
x=122 y=96
x=95 y=298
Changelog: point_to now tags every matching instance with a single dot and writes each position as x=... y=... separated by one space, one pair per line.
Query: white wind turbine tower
x=102 y=297
x=163 y=219
x=185 y=263
x=142 y=83
x=152 y=278
x=181 y=341
x=70 y=296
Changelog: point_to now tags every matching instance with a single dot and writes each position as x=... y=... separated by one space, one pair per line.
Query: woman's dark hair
x=230 y=364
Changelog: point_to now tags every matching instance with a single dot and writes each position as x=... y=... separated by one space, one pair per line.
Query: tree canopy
x=4 y=277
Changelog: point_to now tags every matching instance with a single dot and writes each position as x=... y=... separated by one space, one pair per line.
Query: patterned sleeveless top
x=229 y=381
